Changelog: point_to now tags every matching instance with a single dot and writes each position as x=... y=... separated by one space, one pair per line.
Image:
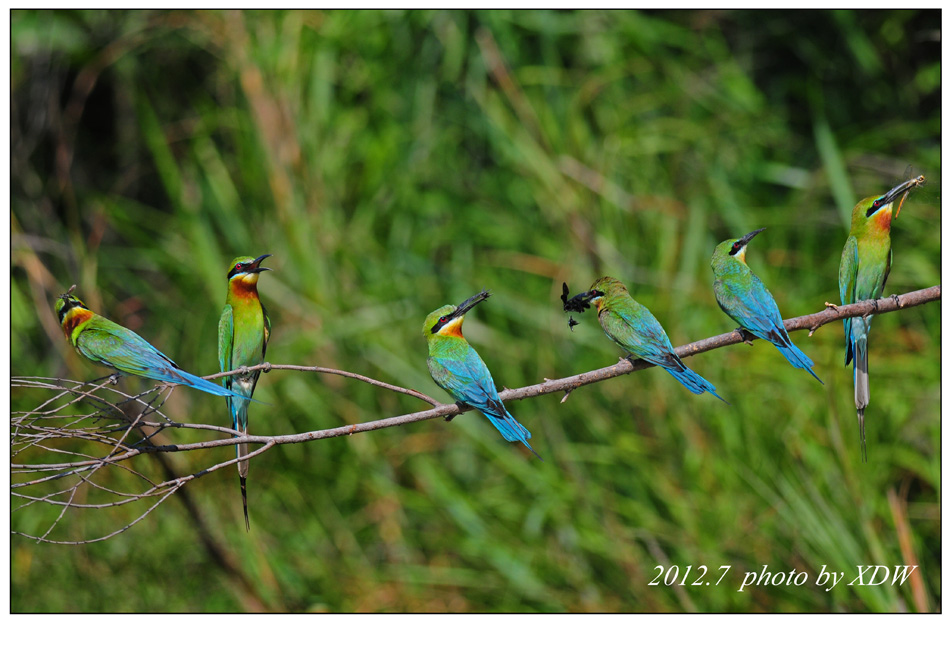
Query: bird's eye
x=443 y=319
x=875 y=205
x=239 y=266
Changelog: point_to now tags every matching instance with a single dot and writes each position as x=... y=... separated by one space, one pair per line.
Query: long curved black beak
x=470 y=303
x=257 y=263
x=742 y=242
x=900 y=189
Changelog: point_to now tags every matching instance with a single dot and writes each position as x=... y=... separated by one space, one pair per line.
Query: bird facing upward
x=458 y=369
x=243 y=332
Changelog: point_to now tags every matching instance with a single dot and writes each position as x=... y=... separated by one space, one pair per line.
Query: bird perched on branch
x=743 y=297
x=243 y=332
x=865 y=264
x=632 y=326
x=458 y=369
x=107 y=343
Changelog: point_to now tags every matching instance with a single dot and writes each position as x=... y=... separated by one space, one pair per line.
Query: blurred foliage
x=393 y=162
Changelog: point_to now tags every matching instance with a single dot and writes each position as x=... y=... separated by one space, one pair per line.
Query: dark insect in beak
x=576 y=304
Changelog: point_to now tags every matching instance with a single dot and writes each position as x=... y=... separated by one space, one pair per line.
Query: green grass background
x=393 y=162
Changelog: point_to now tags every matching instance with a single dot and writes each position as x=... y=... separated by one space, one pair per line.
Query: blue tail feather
x=693 y=382
x=238 y=407
x=512 y=430
x=185 y=378
x=797 y=358
x=857 y=352
x=238 y=404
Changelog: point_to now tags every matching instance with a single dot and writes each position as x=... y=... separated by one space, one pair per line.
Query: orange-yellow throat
x=76 y=316
x=453 y=328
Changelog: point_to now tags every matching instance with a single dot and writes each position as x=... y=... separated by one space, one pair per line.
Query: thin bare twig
x=267 y=367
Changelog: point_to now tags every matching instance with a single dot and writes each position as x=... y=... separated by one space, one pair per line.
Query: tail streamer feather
x=512 y=430
x=693 y=381
x=240 y=424
x=862 y=390
x=799 y=359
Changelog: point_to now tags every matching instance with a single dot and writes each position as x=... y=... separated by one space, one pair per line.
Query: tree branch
x=48 y=421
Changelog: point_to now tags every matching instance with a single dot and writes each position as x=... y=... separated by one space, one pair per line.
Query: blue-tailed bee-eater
x=458 y=369
x=107 y=343
x=632 y=326
x=865 y=264
x=743 y=297
x=243 y=332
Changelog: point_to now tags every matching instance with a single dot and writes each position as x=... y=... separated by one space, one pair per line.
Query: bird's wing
x=847 y=279
x=266 y=330
x=887 y=270
x=640 y=333
x=848 y=271
x=469 y=381
x=226 y=342
x=753 y=307
x=114 y=345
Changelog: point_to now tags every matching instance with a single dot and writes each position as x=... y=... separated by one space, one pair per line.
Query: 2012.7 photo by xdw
x=445 y=311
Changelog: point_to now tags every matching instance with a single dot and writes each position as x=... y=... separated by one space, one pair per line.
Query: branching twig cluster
x=88 y=434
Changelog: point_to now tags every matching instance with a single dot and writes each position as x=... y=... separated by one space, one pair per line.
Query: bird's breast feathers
x=243 y=288
x=76 y=316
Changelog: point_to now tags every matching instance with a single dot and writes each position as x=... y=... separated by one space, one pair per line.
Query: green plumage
x=243 y=332
x=459 y=370
x=102 y=341
x=865 y=266
x=743 y=297
x=632 y=326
